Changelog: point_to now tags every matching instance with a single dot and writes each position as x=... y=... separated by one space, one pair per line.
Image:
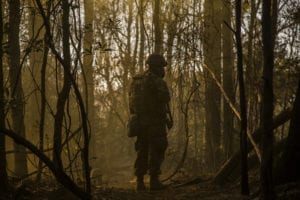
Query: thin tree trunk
x=15 y=75
x=212 y=55
x=32 y=77
x=142 y=37
x=88 y=38
x=267 y=190
x=43 y=109
x=37 y=101
x=133 y=68
x=251 y=90
x=228 y=72
x=171 y=32
x=3 y=172
x=158 y=45
x=64 y=93
x=243 y=131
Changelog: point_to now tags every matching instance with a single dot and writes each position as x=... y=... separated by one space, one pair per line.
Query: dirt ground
x=203 y=191
x=196 y=188
x=190 y=189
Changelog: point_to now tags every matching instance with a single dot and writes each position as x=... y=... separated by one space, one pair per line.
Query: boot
x=155 y=184
x=140 y=186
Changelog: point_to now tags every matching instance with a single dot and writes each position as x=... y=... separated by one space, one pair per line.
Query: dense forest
x=234 y=77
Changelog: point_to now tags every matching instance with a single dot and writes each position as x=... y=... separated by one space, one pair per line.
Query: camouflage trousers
x=150 y=146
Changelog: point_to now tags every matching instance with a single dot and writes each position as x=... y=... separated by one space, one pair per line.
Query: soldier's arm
x=162 y=90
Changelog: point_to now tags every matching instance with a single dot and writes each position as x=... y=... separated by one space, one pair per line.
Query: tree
x=65 y=61
x=212 y=55
x=64 y=93
x=16 y=90
x=269 y=15
x=243 y=131
x=3 y=172
x=88 y=71
x=36 y=116
x=141 y=9
x=33 y=77
x=158 y=40
x=228 y=66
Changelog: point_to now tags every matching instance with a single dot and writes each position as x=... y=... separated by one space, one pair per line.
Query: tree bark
x=212 y=55
x=15 y=75
x=35 y=117
x=228 y=72
x=142 y=37
x=88 y=73
x=64 y=93
x=43 y=108
x=158 y=37
x=32 y=74
x=268 y=36
x=243 y=131
x=3 y=172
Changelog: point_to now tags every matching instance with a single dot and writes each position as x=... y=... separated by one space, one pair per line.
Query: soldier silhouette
x=149 y=118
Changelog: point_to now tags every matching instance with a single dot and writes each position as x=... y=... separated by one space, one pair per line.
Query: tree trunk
x=228 y=72
x=158 y=45
x=171 y=34
x=251 y=81
x=212 y=55
x=142 y=37
x=36 y=81
x=267 y=191
x=3 y=172
x=43 y=108
x=243 y=131
x=15 y=75
x=33 y=82
x=88 y=73
x=64 y=93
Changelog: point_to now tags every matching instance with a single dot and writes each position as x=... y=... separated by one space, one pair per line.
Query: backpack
x=148 y=99
x=136 y=100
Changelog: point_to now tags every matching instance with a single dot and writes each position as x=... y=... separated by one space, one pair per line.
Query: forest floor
x=181 y=191
x=193 y=188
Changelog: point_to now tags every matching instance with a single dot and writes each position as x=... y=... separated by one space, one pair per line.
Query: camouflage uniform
x=152 y=140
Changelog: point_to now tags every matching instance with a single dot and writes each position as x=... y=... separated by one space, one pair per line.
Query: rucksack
x=136 y=98
x=148 y=100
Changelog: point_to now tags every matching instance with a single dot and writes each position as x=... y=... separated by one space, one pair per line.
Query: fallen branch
x=234 y=161
x=60 y=175
x=233 y=108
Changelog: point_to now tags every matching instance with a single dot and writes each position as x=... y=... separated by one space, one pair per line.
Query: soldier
x=148 y=103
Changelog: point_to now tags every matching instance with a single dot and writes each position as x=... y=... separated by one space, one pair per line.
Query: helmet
x=156 y=60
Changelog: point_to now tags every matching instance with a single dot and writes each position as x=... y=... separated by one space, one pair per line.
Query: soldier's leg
x=141 y=162
x=157 y=147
